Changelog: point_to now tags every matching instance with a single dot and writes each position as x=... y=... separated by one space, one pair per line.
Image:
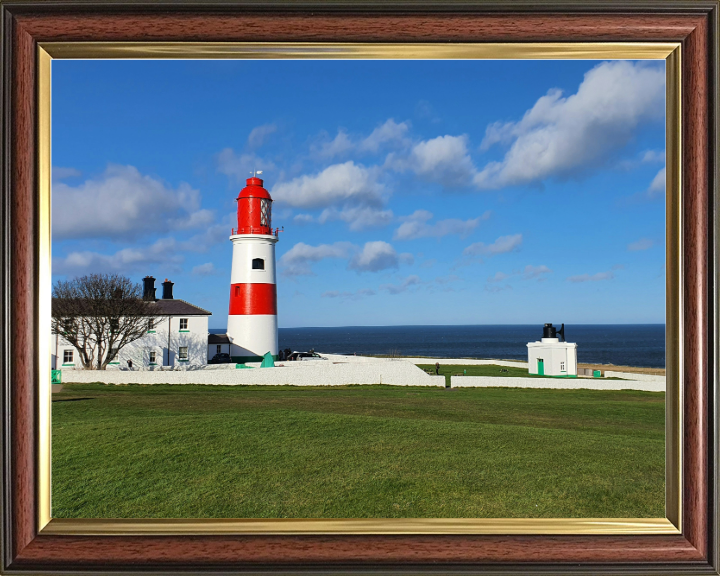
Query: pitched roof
x=218 y=339
x=175 y=307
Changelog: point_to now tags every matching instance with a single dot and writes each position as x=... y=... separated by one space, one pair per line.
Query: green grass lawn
x=448 y=370
x=355 y=452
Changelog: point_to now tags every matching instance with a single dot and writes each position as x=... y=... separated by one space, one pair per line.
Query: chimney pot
x=167 y=290
x=149 y=289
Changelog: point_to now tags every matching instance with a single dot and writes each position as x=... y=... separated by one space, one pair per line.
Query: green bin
x=596 y=374
x=55 y=376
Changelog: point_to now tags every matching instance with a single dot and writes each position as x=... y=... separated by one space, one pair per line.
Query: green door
x=541 y=367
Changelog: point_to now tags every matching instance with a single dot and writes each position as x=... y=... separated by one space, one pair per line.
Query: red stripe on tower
x=253 y=299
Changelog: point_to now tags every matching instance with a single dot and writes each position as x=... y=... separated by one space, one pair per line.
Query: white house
x=177 y=339
x=550 y=357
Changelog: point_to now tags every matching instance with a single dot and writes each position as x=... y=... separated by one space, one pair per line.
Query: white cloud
x=498 y=277
x=348 y=295
x=538 y=272
x=642 y=244
x=416 y=226
x=297 y=260
x=502 y=245
x=358 y=217
x=559 y=136
x=327 y=149
x=389 y=132
x=340 y=183
x=60 y=173
x=240 y=167
x=123 y=203
x=609 y=275
x=444 y=159
x=164 y=252
x=653 y=156
x=412 y=280
x=376 y=256
x=372 y=257
x=207 y=269
x=303 y=219
x=259 y=135
x=211 y=236
x=657 y=186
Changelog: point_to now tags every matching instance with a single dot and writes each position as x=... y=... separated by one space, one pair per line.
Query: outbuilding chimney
x=149 y=289
x=167 y=290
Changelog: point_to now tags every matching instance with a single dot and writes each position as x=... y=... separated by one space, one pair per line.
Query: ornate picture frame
x=35 y=32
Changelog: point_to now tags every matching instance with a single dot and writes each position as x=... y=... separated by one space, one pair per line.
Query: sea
x=620 y=344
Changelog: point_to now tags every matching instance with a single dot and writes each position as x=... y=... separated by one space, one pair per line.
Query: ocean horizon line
x=461 y=325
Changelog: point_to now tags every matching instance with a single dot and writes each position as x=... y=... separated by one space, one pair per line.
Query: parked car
x=222 y=358
x=305 y=356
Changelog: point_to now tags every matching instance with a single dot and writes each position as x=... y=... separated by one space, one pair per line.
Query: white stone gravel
x=441 y=361
x=557 y=383
x=634 y=376
x=340 y=370
x=313 y=373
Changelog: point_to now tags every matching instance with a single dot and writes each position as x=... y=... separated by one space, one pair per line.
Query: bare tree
x=99 y=314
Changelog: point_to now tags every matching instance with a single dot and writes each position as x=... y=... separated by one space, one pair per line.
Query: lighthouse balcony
x=261 y=230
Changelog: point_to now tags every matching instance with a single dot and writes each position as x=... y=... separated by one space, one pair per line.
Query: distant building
x=550 y=357
x=178 y=338
x=218 y=344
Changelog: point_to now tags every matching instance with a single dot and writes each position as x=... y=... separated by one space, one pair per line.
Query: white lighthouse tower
x=252 y=322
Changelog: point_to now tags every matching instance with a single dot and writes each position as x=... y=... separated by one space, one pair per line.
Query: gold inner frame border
x=668 y=51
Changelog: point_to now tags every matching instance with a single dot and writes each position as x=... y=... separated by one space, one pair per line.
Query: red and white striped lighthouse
x=252 y=323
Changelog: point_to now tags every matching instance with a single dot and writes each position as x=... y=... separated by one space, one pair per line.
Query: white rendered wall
x=257 y=332
x=247 y=247
x=320 y=373
x=195 y=339
x=553 y=354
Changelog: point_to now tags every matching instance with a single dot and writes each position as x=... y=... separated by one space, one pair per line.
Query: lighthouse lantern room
x=252 y=321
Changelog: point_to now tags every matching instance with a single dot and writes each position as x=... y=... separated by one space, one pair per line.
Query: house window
x=219 y=348
x=258 y=264
x=562 y=366
x=67 y=356
x=183 y=323
x=152 y=356
x=151 y=325
x=114 y=324
x=183 y=353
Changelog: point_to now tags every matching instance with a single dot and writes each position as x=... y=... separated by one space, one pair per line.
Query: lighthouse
x=252 y=321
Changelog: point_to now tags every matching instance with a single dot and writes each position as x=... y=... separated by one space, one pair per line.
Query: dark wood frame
x=24 y=24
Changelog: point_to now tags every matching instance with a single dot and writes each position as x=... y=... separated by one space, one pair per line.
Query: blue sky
x=420 y=192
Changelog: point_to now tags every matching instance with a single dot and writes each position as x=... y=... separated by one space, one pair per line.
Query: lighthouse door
x=541 y=367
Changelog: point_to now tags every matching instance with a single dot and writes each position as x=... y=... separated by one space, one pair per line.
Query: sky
x=410 y=192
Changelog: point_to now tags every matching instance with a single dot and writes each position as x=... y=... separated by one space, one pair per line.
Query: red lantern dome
x=254 y=208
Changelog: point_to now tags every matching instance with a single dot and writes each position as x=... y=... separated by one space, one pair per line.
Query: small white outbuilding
x=550 y=356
